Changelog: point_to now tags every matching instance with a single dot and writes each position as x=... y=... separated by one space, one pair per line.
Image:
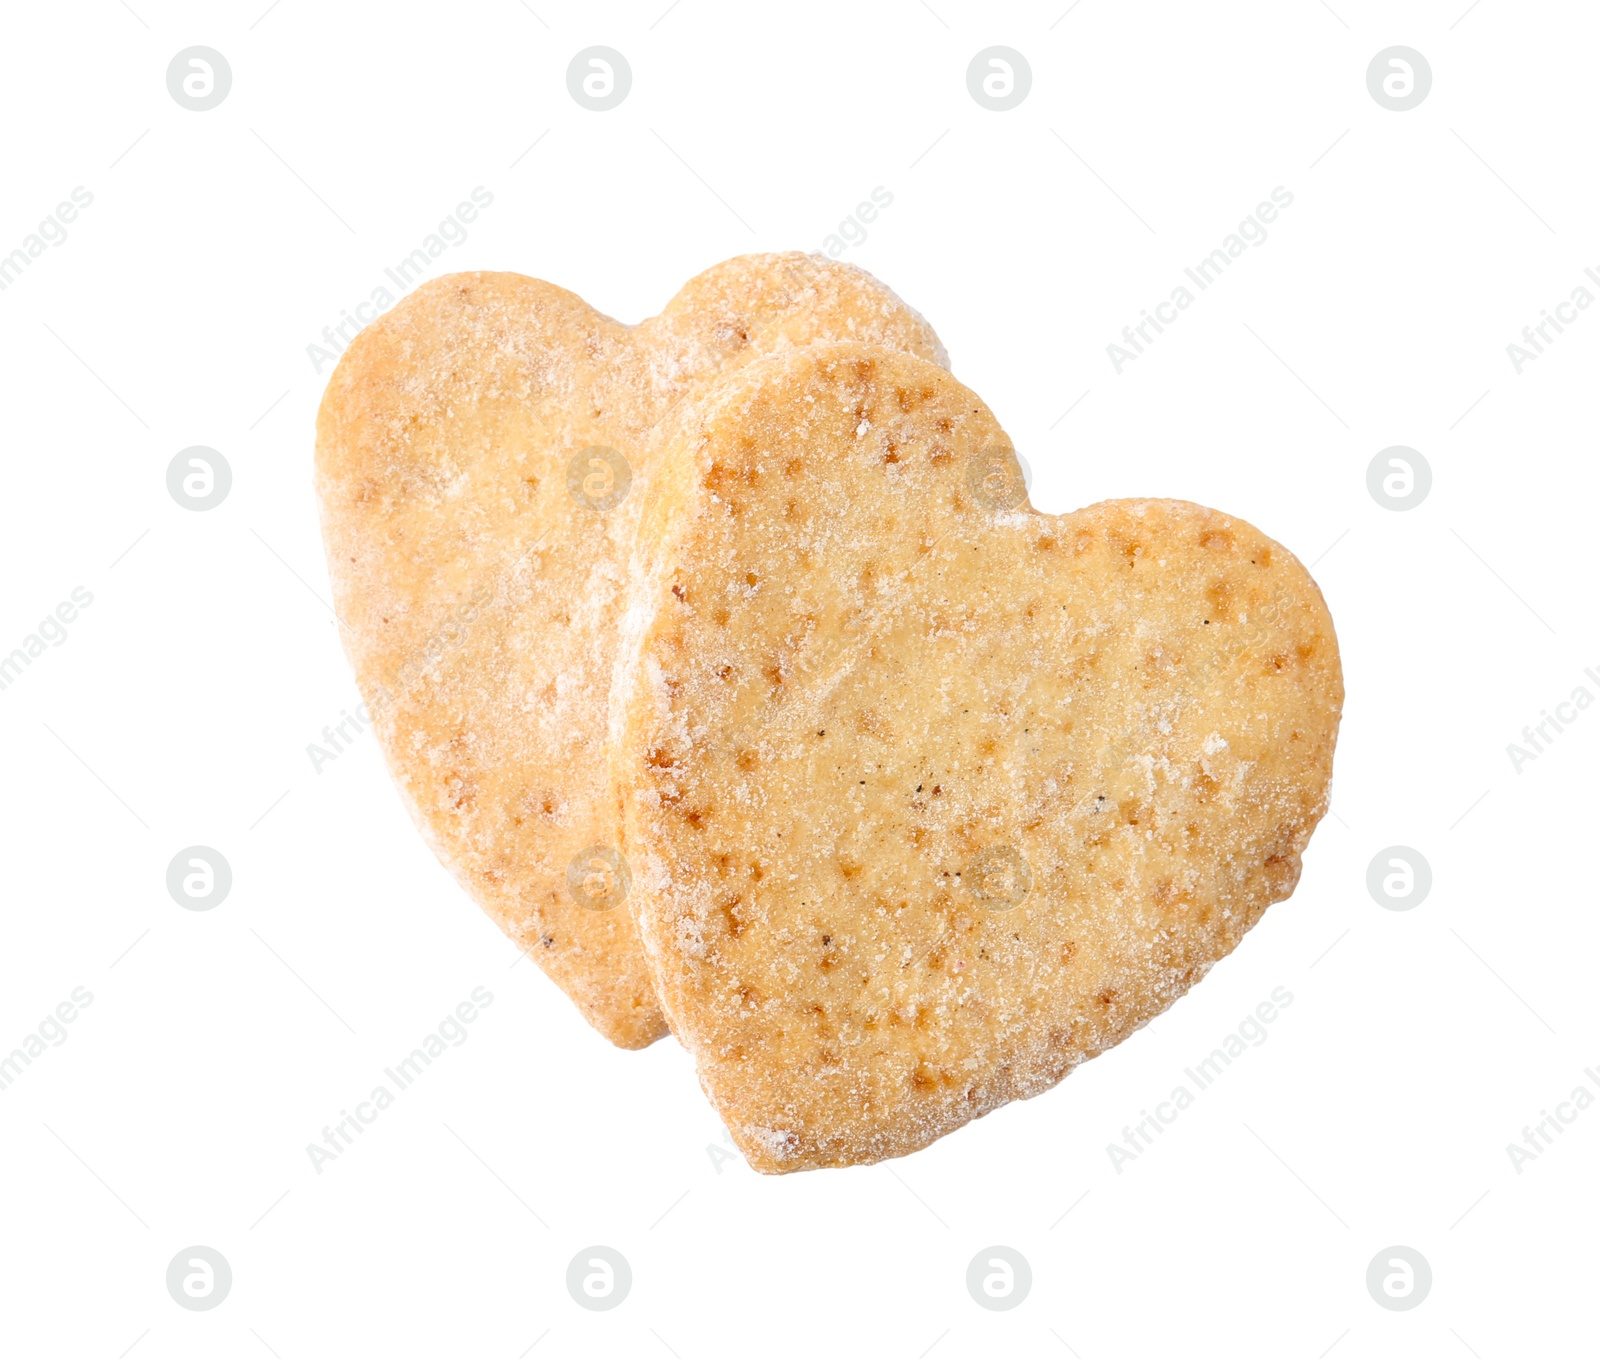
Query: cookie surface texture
x=935 y=796
x=481 y=453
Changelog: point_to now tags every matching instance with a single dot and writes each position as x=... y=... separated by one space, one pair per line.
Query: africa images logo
x=404 y=274
x=1250 y=1033
x=450 y=1032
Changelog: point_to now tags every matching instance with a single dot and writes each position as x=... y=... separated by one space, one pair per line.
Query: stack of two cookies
x=724 y=662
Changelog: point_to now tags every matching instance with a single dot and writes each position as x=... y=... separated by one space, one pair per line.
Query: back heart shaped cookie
x=481 y=452
x=931 y=797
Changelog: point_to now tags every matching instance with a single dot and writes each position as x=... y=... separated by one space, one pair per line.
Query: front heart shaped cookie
x=481 y=452
x=931 y=797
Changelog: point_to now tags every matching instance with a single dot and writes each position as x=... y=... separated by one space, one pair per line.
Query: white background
x=178 y=711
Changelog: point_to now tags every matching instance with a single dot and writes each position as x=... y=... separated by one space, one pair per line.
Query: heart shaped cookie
x=929 y=796
x=481 y=453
